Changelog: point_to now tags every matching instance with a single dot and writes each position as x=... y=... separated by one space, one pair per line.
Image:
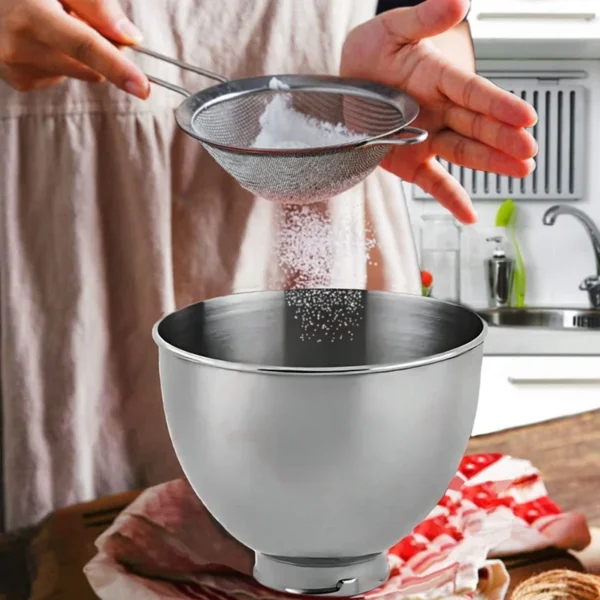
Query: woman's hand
x=44 y=41
x=471 y=122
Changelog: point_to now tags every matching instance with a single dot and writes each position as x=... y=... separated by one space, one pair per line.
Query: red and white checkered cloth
x=165 y=545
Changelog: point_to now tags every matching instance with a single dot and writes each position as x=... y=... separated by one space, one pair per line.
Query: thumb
x=108 y=18
x=428 y=19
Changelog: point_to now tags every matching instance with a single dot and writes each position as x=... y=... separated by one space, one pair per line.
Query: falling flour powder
x=308 y=243
x=282 y=126
x=307 y=248
x=327 y=315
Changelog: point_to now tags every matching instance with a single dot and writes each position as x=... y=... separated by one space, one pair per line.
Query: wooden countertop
x=566 y=451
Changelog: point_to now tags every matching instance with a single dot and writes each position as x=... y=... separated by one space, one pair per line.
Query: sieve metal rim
x=322 y=371
x=185 y=112
x=194 y=104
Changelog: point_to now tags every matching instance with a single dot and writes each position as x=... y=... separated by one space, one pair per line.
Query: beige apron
x=110 y=217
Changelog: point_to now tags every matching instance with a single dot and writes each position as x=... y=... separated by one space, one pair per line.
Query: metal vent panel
x=560 y=133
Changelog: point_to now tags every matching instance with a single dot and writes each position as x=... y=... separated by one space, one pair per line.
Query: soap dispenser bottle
x=499 y=271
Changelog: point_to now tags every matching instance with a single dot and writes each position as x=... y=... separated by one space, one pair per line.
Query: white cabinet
x=521 y=390
x=541 y=19
x=536 y=28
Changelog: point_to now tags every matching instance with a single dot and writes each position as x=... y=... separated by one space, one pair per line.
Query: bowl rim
x=322 y=371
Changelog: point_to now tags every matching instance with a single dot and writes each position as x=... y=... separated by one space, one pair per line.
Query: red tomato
x=426 y=278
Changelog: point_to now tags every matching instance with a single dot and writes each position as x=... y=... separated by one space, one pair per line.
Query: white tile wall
x=557 y=258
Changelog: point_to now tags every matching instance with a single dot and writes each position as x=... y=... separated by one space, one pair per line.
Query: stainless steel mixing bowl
x=320 y=426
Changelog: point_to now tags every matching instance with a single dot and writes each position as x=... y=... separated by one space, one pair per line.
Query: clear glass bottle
x=440 y=255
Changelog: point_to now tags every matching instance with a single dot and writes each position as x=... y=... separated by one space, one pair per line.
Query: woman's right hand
x=43 y=42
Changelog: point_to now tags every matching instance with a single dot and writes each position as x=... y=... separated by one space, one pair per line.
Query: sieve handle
x=419 y=135
x=181 y=65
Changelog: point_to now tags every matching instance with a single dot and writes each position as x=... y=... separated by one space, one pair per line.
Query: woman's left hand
x=471 y=122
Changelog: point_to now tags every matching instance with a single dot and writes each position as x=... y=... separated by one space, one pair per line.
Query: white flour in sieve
x=282 y=126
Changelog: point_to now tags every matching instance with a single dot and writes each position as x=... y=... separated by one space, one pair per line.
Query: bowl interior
x=321 y=329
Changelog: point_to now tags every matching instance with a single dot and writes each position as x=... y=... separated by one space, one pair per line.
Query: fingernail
x=128 y=30
x=141 y=90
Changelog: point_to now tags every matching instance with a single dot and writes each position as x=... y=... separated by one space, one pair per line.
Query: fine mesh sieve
x=225 y=118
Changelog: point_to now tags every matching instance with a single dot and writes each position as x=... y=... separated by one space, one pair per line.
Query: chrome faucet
x=590 y=284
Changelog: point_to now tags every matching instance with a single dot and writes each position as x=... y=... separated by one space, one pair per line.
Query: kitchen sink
x=549 y=318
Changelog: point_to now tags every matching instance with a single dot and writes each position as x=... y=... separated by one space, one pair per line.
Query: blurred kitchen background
x=553 y=61
x=546 y=366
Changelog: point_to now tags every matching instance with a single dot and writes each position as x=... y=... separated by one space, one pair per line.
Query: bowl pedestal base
x=322 y=576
